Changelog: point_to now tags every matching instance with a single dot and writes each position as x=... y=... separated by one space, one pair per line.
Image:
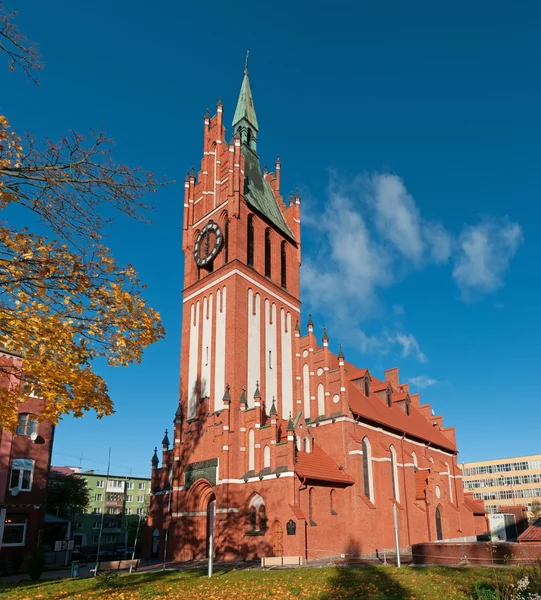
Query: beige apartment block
x=504 y=481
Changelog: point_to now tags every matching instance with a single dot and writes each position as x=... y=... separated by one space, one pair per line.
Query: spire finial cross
x=246 y=65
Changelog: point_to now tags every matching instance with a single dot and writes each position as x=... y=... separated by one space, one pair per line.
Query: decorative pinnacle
x=257 y=393
x=192 y=173
x=325 y=336
x=297 y=195
x=246 y=65
x=340 y=352
x=273 y=407
x=165 y=441
x=243 y=397
x=155 y=460
x=310 y=322
x=227 y=397
x=278 y=159
x=290 y=426
x=207 y=114
x=187 y=178
x=219 y=101
x=178 y=412
x=297 y=328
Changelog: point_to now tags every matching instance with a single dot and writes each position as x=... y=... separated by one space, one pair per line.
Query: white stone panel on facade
x=254 y=344
x=287 y=364
x=320 y=400
x=271 y=379
x=193 y=384
x=219 y=357
x=306 y=390
x=206 y=347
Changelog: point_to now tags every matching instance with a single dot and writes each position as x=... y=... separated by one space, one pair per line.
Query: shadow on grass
x=364 y=581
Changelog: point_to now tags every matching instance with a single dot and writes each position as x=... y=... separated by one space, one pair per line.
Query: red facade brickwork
x=299 y=451
x=24 y=465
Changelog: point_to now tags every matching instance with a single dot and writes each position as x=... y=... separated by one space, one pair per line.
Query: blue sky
x=413 y=133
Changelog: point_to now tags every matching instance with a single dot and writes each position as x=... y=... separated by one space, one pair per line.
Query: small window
x=22 y=471
x=99 y=484
x=389 y=399
x=141 y=486
x=439 y=531
x=140 y=498
x=270 y=359
x=14 y=530
x=307 y=444
x=267 y=254
x=283 y=261
x=207 y=356
x=96 y=525
x=129 y=498
x=130 y=485
x=139 y=511
x=97 y=510
x=98 y=497
x=367 y=470
x=28 y=424
x=366 y=386
x=250 y=250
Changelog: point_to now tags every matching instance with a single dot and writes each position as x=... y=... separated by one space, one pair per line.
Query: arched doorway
x=277 y=539
x=155 y=543
x=198 y=524
x=439 y=532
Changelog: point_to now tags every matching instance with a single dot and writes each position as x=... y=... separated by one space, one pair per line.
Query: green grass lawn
x=328 y=583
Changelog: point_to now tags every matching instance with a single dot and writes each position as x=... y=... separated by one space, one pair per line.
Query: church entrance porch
x=198 y=521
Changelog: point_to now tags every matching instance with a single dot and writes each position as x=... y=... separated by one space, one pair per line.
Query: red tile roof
x=414 y=424
x=532 y=534
x=62 y=470
x=379 y=387
x=320 y=466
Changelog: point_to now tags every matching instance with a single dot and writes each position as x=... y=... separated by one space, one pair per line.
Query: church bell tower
x=241 y=304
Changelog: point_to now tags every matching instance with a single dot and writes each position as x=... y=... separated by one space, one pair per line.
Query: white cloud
x=410 y=346
x=422 y=381
x=483 y=255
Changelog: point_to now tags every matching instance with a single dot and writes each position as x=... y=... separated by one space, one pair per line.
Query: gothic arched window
x=250 y=252
x=251 y=447
x=283 y=261
x=267 y=253
x=394 y=473
x=266 y=457
x=311 y=506
x=439 y=531
x=226 y=240
x=367 y=470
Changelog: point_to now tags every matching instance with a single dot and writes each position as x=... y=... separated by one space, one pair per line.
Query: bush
x=36 y=564
x=107 y=579
x=483 y=591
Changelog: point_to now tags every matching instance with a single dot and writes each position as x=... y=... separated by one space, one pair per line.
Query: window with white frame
x=98 y=497
x=394 y=471
x=130 y=485
x=97 y=510
x=22 y=472
x=99 y=483
x=141 y=486
x=140 y=498
x=129 y=498
x=14 y=530
x=95 y=525
x=139 y=511
x=28 y=424
x=129 y=511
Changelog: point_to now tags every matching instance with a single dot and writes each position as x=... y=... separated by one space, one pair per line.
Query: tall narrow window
x=367 y=470
x=22 y=471
x=414 y=459
x=311 y=506
x=450 y=480
x=267 y=253
x=439 y=532
x=266 y=457
x=283 y=261
x=270 y=359
x=226 y=241
x=250 y=254
x=394 y=472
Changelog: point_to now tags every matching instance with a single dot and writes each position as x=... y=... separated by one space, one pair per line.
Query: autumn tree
x=64 y=301
x=67 y=495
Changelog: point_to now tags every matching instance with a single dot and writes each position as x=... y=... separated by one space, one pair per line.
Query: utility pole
x=210 y=517
x=396 y=535
x=102 y=514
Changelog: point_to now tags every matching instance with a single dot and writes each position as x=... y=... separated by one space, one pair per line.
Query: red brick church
x=295 y=450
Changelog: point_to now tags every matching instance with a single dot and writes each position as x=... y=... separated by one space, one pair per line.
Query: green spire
x=245 y=111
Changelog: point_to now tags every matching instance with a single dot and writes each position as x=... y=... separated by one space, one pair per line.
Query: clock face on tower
x=208 y=244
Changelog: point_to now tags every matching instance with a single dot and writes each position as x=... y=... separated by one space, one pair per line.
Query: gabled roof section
x=318 y=465
x=259 y=195
x=394 y=417
x=475 y=506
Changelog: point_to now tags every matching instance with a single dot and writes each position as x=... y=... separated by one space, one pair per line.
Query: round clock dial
x=208 y=244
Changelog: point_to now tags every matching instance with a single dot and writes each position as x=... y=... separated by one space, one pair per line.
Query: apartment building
x=504 y=481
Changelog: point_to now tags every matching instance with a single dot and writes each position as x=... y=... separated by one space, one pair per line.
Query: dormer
x=384 y=391
x=365 y=383
x=403 y=401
